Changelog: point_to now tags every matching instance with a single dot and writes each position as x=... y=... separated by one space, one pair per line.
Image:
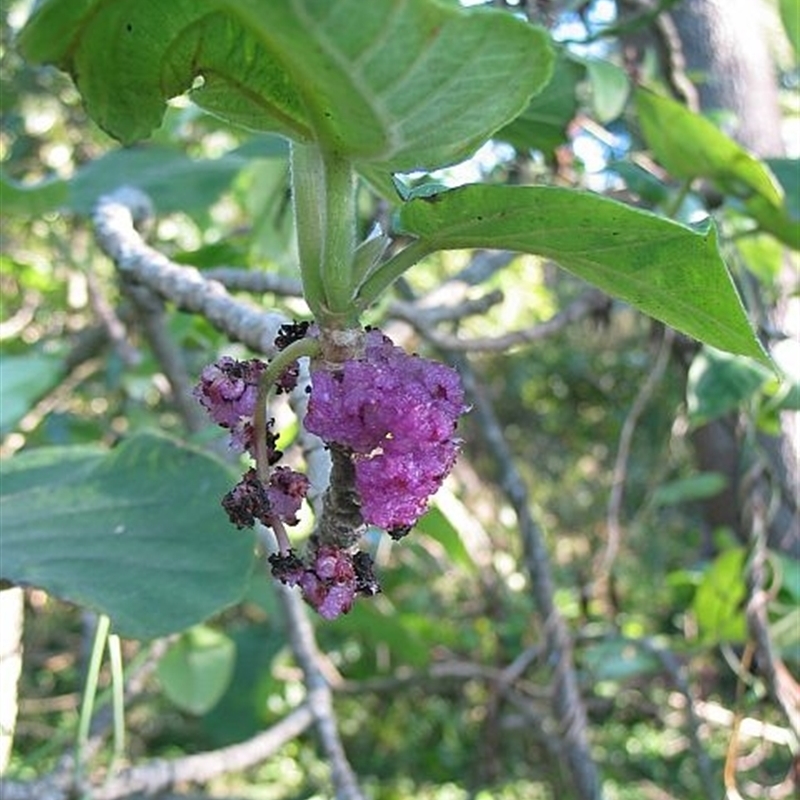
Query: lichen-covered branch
x=115 y=218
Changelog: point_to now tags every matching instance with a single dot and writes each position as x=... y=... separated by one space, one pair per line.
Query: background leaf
x=23 y=380
x=718 y=602
x=695 y=487
x=543 y=124
x=790 y=16
x=197 y=669
x=174 y=181
x=610 y=88
x=107 y=536
x=720 y=382
x=690 y=146
x=397 y=89
x=669 y=271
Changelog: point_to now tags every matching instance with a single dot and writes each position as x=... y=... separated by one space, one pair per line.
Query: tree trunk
x=725 y=43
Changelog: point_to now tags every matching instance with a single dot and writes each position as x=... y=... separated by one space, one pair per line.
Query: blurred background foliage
x=416 y=671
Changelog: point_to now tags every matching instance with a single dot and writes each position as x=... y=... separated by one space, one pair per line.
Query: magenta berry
x=286 y=491
x=228 y=390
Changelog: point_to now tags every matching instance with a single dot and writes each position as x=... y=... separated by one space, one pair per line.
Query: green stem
x=323 y=189
x=308 y=188
x=90 y=692
x=339 y=238
x=117 y=696
x=388 y=272
x=283 y=359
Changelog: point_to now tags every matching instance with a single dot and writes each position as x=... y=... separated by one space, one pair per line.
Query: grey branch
x=115 y=218
x=159 y=775
x=257 y=281
x=152 y=319
x=567 y=702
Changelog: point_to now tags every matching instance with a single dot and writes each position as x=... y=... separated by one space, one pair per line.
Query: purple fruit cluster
x=329 y=579
x=228 y=390
x=397 y=414
x=392 y=415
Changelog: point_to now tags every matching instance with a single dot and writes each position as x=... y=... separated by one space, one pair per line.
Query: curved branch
x=159 y=775
x=115 y=217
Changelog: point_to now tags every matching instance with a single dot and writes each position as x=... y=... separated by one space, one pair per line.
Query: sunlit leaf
x=138 y=534
x=790 y=16
x=610 y=88
x=690 y=146
x=719 y=601
x=669 y=271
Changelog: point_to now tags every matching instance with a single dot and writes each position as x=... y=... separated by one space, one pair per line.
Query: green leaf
x=174 y=181
x=782 y=222
x=138 y=534
x=790 y=16
x=720 y=382
x=244 y=708
x=718 y=604
x=441 y=524
x=543 y=124
x=669 y=271
x=197 y=669
x=618 y=660
x=763 y=255
x=389 y=82
x=610 y=88
x=690 y=146
x=32 y=200
x=23 y=380
x=684 y=490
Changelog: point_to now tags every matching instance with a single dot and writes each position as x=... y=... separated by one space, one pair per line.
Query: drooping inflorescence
x=390 y=416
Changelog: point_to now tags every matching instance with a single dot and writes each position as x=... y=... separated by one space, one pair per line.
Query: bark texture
x=726 y=51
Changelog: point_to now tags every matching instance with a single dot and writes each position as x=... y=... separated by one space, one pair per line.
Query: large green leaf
x=137 y=533
x=669 y=271
x=387 y=82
